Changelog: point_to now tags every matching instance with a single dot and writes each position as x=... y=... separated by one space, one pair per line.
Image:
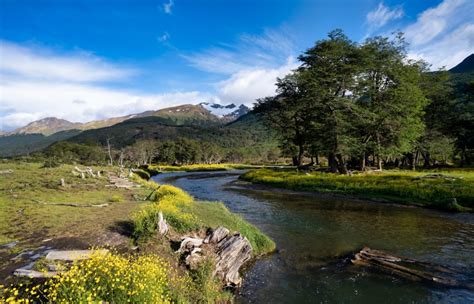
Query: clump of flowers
x=106 y=278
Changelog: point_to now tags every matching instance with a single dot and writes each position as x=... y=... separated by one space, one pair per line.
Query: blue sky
x=86 y=60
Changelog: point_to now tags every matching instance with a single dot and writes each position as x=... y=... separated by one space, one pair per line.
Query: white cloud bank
x=251 y=65
x=37 y=83
x=382 y=15
x=443 y=35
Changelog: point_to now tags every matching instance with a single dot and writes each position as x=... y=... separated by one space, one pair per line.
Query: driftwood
x=409 y=268
x=162 y=225
x=232 y=253
x=72 y=204
x=83 y=173
x=229 y=251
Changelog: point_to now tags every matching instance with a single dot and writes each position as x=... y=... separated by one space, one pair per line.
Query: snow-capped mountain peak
x=230 y=110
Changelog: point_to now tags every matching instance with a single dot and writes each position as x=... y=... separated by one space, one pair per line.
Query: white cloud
x=269 y=50
x=33 y=100
x=443 y=35
x=247 y=85
x=448 y=51
x=382 y=15
x=168 y=6
x=164 y=37
x=40 y=63
x=436 y=21
x=38 y=82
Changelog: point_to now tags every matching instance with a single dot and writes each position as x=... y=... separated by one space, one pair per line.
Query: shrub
x=51 y=163
x=115 y=198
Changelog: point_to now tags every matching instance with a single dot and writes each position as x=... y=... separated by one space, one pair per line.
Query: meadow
x=37 y=209
x=451 y=190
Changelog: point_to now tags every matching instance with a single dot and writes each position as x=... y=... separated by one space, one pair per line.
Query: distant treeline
x=368 y=104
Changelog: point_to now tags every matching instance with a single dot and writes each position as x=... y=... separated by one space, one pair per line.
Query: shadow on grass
x=124 y=228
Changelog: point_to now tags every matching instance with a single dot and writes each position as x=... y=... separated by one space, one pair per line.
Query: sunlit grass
x=454 y=191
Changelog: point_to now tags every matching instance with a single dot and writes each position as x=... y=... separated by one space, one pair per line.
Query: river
x=315 y=233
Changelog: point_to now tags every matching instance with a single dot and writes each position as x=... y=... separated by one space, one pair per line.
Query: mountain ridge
x=199 y=114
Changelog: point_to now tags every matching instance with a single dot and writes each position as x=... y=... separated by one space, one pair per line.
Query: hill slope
x=466 y=66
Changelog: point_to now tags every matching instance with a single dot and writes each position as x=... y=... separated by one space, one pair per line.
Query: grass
x=25 y=218
x=453 y=192
x=185 y=214
x=28 y=219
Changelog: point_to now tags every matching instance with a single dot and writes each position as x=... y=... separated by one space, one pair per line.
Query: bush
x=51 y=163
x=115 y=198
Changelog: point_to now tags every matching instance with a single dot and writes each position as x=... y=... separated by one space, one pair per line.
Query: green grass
x=26 y=218
x=184 y=214
x=455 y=193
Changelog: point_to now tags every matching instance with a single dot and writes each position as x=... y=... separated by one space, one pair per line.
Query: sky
x=88 y=60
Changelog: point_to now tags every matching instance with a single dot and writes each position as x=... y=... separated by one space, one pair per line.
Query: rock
x=8 y=171
x=232 y=252
x=162 y=226
x=217 y=235
x=72 y=255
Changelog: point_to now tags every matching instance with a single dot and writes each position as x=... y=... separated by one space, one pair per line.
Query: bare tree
x=109 y=151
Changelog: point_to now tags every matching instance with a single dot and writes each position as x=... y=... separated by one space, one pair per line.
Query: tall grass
x=455 y=191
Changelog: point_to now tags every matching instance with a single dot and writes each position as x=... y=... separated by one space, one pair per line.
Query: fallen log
x=72 y=204
x=410 y=269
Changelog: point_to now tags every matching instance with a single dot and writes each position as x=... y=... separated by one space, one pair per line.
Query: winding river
x=315 y=233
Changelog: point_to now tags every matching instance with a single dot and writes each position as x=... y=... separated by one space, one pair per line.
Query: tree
x=289 y=114
x=390 y=97
x=329 y=70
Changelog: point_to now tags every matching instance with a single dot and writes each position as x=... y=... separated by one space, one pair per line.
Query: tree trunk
x=300 y=155
x=317 y=159
x=427 y=159
x=379 y=163
x=341 y=164
x=332 y=162
x=362 y=162
x=294 y=159
x=411 y=159
x=111 y=161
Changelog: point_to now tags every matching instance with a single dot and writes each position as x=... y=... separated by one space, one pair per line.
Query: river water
x=315 y=234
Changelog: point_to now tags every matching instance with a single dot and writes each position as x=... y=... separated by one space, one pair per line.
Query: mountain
x=38 y=134
x=46 y=126
x=466 y=66
x=227 y=112
x=202 y=114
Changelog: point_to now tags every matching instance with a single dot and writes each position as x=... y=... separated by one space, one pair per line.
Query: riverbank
x=52 y=208
x=451 y=190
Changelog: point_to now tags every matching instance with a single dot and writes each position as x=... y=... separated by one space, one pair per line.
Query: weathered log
x=73 y=255
x=408 y=268
x=162 y=225
x=72 y=204
x=216 y=235
x=232 y=252
x=189 y=243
